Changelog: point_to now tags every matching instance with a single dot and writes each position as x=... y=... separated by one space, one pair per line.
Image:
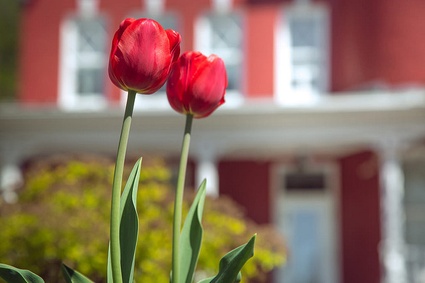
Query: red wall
x=401 y=41
x=259 y=50
x=360 y=218
x=353 y=53
x=39 y=50
x=247 y=182
x=377 y=41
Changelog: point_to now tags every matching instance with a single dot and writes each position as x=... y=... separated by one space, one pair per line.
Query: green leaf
x=191 y=237
x=109 y=278
x=129 y=224
x=231 y=264
x=72 y=276
x=208 y=280
x=15 y=275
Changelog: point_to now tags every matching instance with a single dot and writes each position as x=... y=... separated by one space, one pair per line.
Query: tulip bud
x=141 y=55
x=197 y=84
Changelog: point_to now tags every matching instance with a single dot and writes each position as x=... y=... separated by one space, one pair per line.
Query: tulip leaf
x=208 y=280
x=231 y=264
x=129 y=224
x=72 y=276
x=109 y=278
x=12 y=274
x=191 y=237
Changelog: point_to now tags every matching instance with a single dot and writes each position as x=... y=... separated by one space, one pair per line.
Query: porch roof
x=257 y=128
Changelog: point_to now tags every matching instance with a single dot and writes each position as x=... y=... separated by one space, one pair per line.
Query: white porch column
x=207 y=169
x=10 y=180
x=393 y=251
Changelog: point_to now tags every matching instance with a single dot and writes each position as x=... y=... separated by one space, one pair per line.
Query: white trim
x=148 y=102
x=88 y=8
x=155 y=7
x=222 y=6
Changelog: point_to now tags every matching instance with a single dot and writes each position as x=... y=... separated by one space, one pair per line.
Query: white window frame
x=285 y=94
x=69 y=99
x=202 y=41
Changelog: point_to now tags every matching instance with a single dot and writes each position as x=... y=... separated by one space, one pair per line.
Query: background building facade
x=322 y=133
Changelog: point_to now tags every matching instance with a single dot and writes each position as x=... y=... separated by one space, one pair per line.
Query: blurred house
x=322 y=134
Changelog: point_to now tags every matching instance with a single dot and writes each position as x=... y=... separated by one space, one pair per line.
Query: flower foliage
x=76 y=192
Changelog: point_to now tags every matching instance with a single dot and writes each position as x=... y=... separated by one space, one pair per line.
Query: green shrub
x=63 y=214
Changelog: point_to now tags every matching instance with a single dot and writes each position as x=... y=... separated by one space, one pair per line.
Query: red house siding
x=360 y=218
x=377 y=41
x=260 y=25
x=39 y=53
x=353 y=33
x=401 y=41
x=247 y=182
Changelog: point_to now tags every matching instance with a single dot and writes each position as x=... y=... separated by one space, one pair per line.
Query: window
x=222 y=34
x=83 y=62
x=302 y=54
x=414 y=202
x=414 y=216
x=299 y=181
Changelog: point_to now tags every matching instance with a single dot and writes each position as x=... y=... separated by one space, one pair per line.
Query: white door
x=307 y=219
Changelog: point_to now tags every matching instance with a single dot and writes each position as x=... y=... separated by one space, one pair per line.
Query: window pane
x=226 y=32
x=91 y=35
x=223 y=36
x=414 y=201
x=304 y=32
x=167 y=20
x=91 y=56
x=233 y=74
x=90 y=81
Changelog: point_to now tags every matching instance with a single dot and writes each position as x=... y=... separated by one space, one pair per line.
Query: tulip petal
x=197 y=84
x=141 y=55
x=175 y=39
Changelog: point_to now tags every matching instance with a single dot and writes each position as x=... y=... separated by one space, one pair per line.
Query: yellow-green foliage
x=63 y=214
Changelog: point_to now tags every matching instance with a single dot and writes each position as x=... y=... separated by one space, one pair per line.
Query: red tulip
x=197 y=84
x=141 y=55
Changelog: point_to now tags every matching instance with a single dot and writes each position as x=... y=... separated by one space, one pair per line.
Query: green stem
x=179 y=200
x=116 y=189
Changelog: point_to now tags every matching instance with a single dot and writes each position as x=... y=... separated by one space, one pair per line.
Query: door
x=306 y=217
